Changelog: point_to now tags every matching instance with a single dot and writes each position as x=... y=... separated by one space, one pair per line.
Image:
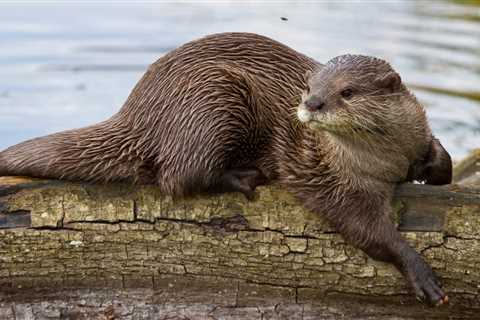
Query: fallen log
x=467 y=171
x=61 y=242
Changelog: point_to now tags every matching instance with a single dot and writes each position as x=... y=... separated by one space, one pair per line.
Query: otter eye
x=347 y=93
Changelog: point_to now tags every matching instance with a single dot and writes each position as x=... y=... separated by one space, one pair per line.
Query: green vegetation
x=473 y=95
x=468 y=2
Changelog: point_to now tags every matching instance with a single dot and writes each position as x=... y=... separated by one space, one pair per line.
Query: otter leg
x=243 y=180
x=364 y=221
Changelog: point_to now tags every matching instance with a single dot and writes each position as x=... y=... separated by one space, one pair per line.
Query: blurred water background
x=69 y=64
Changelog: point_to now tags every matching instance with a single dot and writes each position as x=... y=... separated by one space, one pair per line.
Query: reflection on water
x=69 y=65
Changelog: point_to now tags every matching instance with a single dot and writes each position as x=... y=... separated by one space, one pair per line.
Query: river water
x=67 y=65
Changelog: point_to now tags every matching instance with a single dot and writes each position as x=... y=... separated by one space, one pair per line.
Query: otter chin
x=215 y=116
x=316 y=121
x=303 y=114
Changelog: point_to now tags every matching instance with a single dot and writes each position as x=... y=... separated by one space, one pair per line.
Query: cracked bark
x=219 y=256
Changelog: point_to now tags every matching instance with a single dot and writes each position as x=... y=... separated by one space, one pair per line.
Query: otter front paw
x=425 y=283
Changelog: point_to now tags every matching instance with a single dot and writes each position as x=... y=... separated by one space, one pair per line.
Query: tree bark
x=118 y=251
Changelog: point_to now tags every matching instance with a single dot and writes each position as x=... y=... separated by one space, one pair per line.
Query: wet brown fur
x=228 y=101
x=220 y=102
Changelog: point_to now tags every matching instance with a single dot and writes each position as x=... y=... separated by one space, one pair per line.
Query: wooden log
x=467 y=171
x=221 y=253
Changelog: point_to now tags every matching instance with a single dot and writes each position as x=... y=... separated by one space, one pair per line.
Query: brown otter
x=218 y=115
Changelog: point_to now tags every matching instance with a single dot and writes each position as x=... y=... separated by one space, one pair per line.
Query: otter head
x=361 y=101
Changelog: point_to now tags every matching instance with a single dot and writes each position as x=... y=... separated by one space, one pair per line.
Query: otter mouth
x=315 y=120
x=336 y=123
x=304 y=115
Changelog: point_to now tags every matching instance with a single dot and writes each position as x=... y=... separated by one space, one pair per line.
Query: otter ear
x=391 y=81
x=438 y=166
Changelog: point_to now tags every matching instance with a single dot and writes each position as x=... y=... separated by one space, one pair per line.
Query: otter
x=232 y=111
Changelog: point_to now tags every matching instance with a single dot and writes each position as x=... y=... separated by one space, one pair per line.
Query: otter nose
x=314 y=104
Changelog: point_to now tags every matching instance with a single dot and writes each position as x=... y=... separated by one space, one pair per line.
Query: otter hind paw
x=242 y=180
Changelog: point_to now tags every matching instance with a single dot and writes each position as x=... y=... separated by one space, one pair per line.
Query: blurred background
x=69 y=64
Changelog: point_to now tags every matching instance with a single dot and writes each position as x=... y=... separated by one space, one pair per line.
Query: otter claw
x=442 y=301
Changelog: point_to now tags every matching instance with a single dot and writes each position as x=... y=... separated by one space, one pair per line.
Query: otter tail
x=29 y=158
x=93 y=153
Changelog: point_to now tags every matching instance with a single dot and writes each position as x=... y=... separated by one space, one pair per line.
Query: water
x=65 y=65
